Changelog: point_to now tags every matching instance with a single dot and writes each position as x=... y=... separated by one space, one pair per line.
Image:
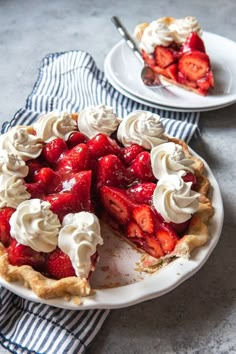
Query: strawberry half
x=62 y=204
x=144 y=217
x=129 y=153
x=58 y=265
x=153 y=247
x=141 y=167
x=167 y=239
x=36 y=189
x=194 y=65
x=133 y=230
x=49 y=180
x=53 y=150
x=19 y=255
x=75 y=160
x=164 y=56
x=76 y=138
x=102 y=145
x=192 y=43
x=5 y=215
x=142 y=192
x=34 y=166
x=116 y=203
x=190 y=177
x=149 y=60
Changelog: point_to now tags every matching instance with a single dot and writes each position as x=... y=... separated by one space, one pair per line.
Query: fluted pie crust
x=73 y=287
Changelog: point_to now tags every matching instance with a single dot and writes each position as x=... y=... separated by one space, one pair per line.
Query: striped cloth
x=68 y=81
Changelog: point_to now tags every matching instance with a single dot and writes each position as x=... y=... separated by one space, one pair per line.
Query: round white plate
x=126 y=68
x=110 y=76
x=115 y=280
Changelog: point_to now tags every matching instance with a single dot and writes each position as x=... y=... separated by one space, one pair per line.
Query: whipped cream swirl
x=78 y=238
x=98 y=119
x=19 y=141
x=169 y=158
x=174 y=199
x=157 y=33
x=55 y=125
x=33 y=224
x=12 y=165
x=12 y=191
x=143 y=128
x=181 y=28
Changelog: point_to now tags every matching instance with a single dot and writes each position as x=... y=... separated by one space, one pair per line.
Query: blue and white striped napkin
x=69 y=81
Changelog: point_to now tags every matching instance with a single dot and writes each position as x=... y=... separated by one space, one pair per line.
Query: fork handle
x=124 y=33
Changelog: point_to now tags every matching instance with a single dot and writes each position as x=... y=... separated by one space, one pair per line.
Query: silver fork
x=148 y=76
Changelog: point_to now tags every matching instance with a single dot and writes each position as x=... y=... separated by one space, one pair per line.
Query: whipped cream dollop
x=98 y=119
x=19 y=141
x=55 y=125
x=169 y=158
x=174 y=199
x=181 y=28
x=78 y=238
x=12 y=190
x=143 y=128
x=157 y=33
x=12 y=165
x=33 y=224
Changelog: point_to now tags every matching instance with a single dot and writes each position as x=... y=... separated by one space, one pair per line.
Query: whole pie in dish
x=64 y=175
x=175 y=49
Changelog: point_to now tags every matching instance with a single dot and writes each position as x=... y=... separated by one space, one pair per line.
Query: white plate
x=110 y=76
x=118 y=282
x=126 y=68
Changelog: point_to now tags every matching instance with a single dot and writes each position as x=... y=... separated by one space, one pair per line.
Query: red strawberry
x=75 y=160
x=149 y=60
x=129 y=153
x=194 y=65
x=144 y=217
x=141 y=167
x=49 y=180
x=76 y=138
x=79 y=184
x=112 y=172
x=164 y=56
x=35 y=189
x=172 y=72
x=19 y=255
x=101 y=145
x=133 y=230
x=142 y=192
x=5 y=215
x=53 y=151
x=116 y=203
x=58 y=265
x=167 y=239
x=179 y=228
x=153 y=247
x=190 y=177
x=193 y=42
x=34 y=167
x=62 y=204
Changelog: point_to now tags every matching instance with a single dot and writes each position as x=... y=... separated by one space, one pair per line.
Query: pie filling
x=65 y=173
x=174 y=49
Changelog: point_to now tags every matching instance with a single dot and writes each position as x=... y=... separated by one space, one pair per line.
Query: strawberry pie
x=174 y=49
x=64 y=175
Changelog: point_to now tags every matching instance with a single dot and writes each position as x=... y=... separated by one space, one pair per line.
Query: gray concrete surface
x=200 y=315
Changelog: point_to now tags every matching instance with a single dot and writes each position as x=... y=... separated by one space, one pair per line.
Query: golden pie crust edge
x=73 y=287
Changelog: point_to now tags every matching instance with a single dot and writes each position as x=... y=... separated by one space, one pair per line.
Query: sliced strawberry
x=190 y=177
x=133 y=230
x=192 y=43
x=19 y=255
x=53 y=151
x=144 y=217
x=34 y=167
x=194 y=65
x=141 y=167
x=164 y=56
x=75 y=160
x=129 y=153
x=58 y=265
x=62 y=204
x=49 y=180
x=116 y=203
x=167 y=239
x=76 y=138
x=112 y=172
x=172 y=72
x=149 y=59
x=142 y=192
x=101 y=145
x=36 y=189
x=5 y=215
x=153 y=247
